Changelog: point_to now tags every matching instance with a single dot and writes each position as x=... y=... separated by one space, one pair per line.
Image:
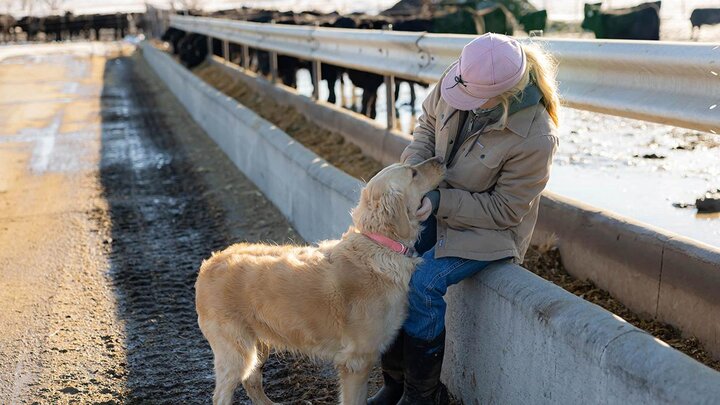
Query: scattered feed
x=546 y=263
x=329 y=145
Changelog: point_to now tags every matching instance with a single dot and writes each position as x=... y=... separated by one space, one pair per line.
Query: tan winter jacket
x=489 y=200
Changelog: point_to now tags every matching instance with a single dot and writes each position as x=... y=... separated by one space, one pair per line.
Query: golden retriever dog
x=342 y=301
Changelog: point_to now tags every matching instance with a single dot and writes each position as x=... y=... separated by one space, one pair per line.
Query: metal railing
x=665 y=82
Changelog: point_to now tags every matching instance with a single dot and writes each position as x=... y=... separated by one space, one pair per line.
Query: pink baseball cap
x=488 y=66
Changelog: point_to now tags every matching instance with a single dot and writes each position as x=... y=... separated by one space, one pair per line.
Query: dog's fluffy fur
x=344 y=300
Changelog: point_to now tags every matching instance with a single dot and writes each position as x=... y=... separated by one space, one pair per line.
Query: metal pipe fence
x=664 y=82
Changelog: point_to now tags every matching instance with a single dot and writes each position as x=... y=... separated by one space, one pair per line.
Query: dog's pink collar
x=393 y=245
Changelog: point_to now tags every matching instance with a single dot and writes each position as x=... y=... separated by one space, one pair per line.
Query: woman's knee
x=424 y=281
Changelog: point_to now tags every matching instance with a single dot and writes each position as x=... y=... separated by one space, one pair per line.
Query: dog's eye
x=414 y=172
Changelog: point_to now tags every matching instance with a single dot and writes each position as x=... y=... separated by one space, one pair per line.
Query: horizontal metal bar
x=665 y=82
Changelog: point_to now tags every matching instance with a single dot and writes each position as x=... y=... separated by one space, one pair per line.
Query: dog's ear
x=399 y=219
x=383 y=209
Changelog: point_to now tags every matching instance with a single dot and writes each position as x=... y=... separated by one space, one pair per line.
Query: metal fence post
x=245 y=56
x=316 y=77
x=390 y=100
x=273 y=66
x=226 y=50
x=343 y=100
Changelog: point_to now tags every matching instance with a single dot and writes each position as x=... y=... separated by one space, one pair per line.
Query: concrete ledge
x=652 y=271
x=314 y=196
x=627 y=258
x=513 y=338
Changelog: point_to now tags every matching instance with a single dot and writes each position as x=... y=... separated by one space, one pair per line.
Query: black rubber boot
x=423 y=363
x=392 y=371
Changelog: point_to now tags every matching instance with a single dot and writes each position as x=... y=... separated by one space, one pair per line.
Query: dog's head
x=390 y=199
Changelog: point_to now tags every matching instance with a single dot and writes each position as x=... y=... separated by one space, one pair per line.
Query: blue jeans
x=429 y=283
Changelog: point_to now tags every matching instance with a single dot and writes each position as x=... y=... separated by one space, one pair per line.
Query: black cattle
x=456 y=20
x=287 y=66
x=193 y=49
x=414 y=25
x=30 y=26
x=174 y=36
x=258 y=59
x=68 y=25
x=7 y=27
x=534 y=21
x=332 y=73
x=368 y=82
x=407 y=8
x=704 y=16
x=493 y=17
x=488 y=17
x=54 y=26
x=640 y=22
x=119 y=22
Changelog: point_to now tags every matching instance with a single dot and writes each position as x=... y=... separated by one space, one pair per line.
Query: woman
x=492 y=118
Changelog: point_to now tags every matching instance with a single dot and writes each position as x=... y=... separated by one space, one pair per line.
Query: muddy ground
x=543 y=261
x=101 y=241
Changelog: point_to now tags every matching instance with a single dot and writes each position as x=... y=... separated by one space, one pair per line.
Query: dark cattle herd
x=468 y=18
x=639 y=22
x=67 y=26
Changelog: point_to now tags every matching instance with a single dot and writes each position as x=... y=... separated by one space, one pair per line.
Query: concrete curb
x=513 y=338
x=627 y=258
x=533 y=343
x=652 y=271
x=315 y=196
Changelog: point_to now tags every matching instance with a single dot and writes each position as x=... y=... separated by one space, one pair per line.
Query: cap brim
x=455 y=96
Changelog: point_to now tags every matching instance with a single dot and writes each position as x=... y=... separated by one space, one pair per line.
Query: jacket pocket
x=490 y=158
x=476 y=171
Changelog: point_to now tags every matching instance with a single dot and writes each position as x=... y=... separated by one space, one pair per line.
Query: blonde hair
x=541 y=70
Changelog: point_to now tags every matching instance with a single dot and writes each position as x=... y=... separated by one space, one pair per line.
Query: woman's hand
x=429 y=205
x=425 y=210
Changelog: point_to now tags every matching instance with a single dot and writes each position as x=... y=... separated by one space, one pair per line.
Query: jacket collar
x=520 y=122
x=521 y=114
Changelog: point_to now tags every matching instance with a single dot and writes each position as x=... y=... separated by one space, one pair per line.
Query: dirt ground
x=543 y=261
x=60 y=337
x=110 y=197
